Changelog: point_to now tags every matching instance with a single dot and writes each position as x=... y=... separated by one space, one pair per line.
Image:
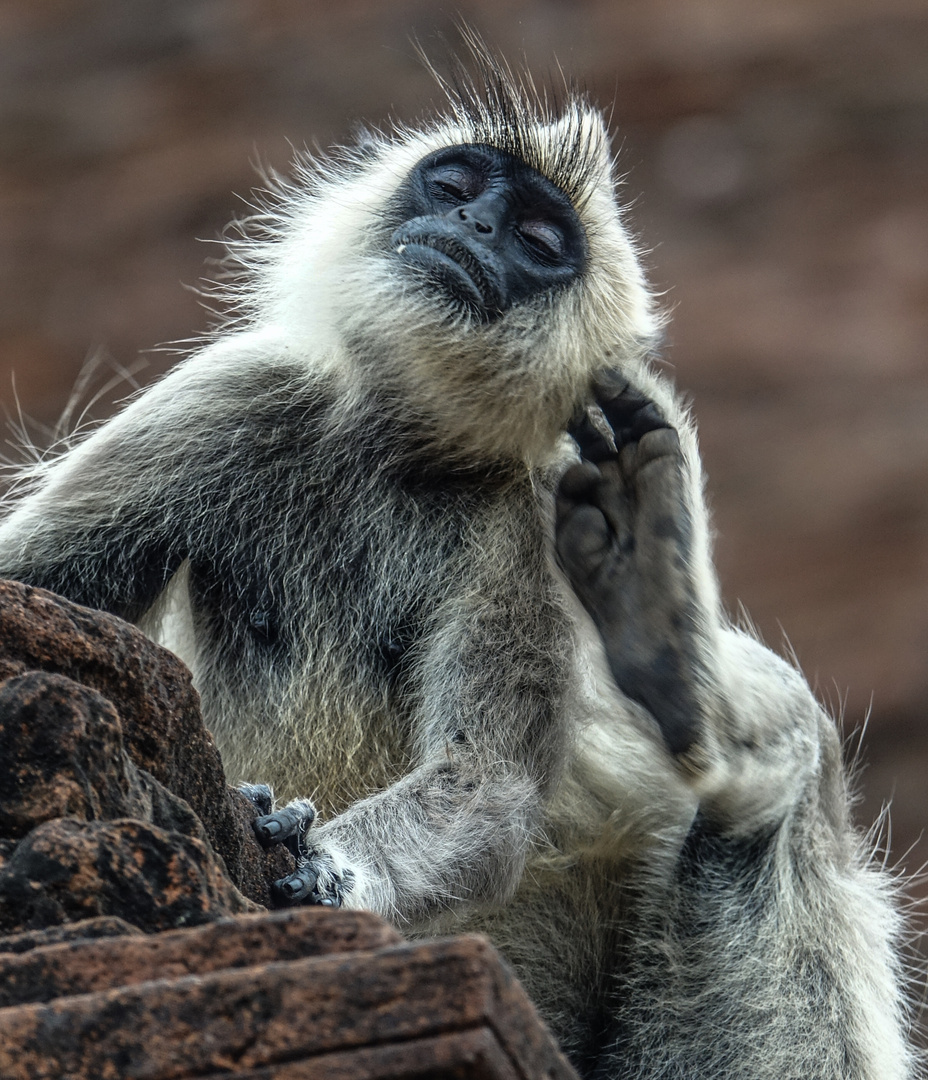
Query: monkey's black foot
x=288 y=826
x=624 y=540
x=315 y=881
x=260 y=794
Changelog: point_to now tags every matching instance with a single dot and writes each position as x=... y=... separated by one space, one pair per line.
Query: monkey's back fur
x=357 y=514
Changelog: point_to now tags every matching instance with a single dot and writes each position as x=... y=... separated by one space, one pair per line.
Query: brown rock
x=103 y=926
x=98 y=723
x=86 y=966
x=148 y=686
x=61 y=755
x=155 y=879
x=458 y=1055
x=327 y=1008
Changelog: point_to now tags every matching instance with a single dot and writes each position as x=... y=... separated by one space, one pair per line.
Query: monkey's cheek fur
x=452 y=276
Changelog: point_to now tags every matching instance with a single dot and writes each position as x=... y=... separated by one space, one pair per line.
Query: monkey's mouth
x=452 y=268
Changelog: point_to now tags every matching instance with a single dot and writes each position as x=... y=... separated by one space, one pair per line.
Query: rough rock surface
x=101 y=926
x=309 y=993
x=86 y=966
x=113 y=800
x=154 y=878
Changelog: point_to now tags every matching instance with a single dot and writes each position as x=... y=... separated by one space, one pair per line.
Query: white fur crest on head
x=495 y=106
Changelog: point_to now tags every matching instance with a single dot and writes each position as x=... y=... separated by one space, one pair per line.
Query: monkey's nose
x=483 y=214
x=480 y=225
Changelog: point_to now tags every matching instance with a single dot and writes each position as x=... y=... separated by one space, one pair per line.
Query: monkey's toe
x=658 y=443
x=630 y=413
x=624 y=411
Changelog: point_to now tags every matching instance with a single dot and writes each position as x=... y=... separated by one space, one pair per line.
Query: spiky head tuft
x=560 y=135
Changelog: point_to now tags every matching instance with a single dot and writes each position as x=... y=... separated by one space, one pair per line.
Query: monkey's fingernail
x=270 y=828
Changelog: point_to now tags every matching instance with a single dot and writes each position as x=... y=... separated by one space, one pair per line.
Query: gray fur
x=340 y=512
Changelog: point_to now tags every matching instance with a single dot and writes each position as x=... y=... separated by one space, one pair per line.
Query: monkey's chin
x=443 y=274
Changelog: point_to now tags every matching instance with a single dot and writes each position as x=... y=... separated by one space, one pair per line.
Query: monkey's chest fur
x=322 y=567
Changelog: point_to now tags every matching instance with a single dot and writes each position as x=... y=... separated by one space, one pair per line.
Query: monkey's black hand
x=286 y=825
x=624 y=540
x=316 y=879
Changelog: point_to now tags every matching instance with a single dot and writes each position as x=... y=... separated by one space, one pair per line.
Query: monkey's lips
x=452 y=267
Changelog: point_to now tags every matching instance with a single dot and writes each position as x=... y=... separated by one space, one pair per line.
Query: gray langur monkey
x=492 y=652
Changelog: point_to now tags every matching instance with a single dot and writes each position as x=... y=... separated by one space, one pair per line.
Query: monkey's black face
x=485 y=230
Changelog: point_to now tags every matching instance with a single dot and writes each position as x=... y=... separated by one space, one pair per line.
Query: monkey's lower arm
x=448 y=833
x=458 y=828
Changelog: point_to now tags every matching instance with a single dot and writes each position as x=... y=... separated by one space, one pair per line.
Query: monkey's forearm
x=448 y=833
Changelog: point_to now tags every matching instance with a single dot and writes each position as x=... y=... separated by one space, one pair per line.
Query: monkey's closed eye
x=453 y=185
x=543 y=239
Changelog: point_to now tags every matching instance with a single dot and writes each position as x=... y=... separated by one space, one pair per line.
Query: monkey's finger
x=260 y=795
x=291 y=821
x=300 y=885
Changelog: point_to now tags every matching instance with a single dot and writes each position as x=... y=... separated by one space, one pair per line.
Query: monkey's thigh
x=560 y=934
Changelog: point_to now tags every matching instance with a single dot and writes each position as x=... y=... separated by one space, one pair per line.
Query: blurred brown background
x=777 y=153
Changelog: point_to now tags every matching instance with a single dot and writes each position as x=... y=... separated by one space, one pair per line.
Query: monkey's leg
x=742 y=726
x=624 y=538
